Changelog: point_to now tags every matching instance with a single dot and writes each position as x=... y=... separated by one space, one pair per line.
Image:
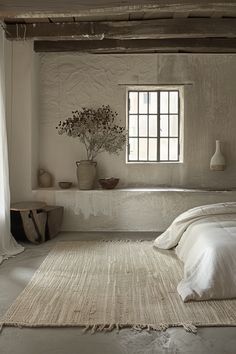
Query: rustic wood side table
x=35 y=221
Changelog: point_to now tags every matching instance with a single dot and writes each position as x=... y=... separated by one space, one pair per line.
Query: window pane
x=143 y=100
x=133 y=149
x=164 y=125
x=152 y=125
x=163 y=102
x=133 y=125
x=174 y=149
x=173 y=125
x=152 y=149
x=133 y=102
x=163 y=149
x=174 y=102
x=152 y=102
x=142 y=125
x=142 y=149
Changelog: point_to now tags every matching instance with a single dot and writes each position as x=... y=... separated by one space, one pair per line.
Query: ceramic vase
x=44 y=179
x=86 y=174
x=217 y=161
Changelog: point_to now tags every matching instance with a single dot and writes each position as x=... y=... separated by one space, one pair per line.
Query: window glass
x=133 y=102
x=153 y=121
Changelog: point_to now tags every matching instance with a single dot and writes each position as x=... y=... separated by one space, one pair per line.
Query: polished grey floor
x=16 y=272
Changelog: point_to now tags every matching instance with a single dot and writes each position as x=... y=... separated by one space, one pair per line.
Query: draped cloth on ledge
x=8 y=246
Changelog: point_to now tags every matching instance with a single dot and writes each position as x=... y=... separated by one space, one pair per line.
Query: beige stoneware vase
x=86 y=174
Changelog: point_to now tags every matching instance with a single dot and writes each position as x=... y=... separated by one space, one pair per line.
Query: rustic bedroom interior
x=117 y=177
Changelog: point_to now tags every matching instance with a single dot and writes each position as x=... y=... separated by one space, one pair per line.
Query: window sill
x=154 y=163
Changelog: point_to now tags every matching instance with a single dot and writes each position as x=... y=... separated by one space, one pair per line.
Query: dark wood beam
x=187 y=45
x=80 y=8
x=146 y=29
x=181 y=14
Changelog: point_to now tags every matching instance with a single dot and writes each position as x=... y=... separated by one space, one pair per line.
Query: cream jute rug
x=103 y=285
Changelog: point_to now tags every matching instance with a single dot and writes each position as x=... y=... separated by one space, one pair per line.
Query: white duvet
x=206 y=242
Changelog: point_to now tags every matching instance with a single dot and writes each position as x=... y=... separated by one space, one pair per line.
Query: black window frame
x=158 y=114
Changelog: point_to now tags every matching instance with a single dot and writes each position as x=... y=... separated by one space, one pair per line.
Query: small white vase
x=217 y=161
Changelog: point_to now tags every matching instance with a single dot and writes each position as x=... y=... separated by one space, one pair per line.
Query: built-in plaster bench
x=128 y=209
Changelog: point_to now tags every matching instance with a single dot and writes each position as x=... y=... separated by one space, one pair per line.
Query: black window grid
x=159 y=136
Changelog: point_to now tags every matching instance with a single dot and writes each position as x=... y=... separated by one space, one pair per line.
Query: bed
x=205 y=240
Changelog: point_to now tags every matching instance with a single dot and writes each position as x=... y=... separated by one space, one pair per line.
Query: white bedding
x=206 y=238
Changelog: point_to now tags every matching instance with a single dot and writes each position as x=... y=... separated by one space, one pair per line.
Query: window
x=153 y=125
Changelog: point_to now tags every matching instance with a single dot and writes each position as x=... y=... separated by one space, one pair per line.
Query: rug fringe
x=93 y=328
x=109 y=328
x=101 y=328
x=86 y=329
x=189 y=327
x=137 y=328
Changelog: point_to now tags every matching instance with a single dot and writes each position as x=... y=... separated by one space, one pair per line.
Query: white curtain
x=8 y=245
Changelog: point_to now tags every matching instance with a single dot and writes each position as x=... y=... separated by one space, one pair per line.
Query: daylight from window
x=153 y=125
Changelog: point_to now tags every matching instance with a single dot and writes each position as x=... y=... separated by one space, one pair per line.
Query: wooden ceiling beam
x=38 y=20
x=180 y=15
x=61 y=19
x=75 y=8
x=144 y=29
x=187 y=45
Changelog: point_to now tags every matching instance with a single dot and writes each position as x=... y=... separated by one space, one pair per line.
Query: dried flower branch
x=96 y=129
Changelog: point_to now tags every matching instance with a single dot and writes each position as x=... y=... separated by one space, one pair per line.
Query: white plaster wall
x=69 y=81
x=42 y=90
x=22 y=117
x=8 y=87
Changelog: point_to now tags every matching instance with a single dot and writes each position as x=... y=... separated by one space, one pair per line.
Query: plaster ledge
x=146 y=189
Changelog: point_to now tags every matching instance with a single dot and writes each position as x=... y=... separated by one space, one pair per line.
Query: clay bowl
x=65 y=185
x=108 y=183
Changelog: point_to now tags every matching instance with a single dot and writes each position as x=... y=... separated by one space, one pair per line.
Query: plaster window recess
x=154 y=125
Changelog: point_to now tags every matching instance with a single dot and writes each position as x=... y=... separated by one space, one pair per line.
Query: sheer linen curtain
x=8 y=245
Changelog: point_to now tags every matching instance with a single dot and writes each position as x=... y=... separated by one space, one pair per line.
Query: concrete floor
x=16 y=272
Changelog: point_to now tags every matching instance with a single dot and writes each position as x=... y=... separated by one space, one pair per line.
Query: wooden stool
x=54 y=220
x=35 y=221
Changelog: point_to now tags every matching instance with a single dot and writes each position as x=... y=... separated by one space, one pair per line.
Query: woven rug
x=102 y=285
